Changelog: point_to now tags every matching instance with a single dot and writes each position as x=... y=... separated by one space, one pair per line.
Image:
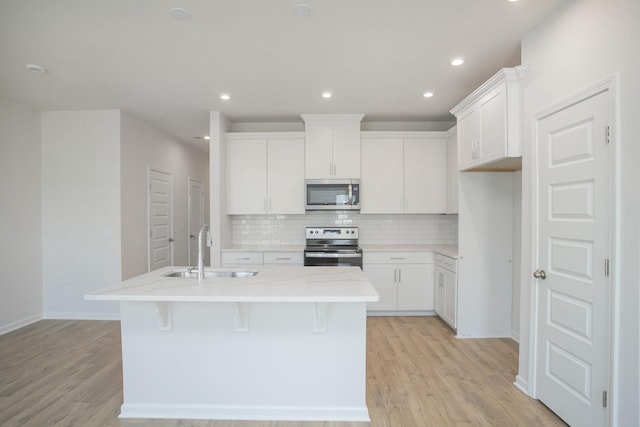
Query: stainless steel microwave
x=332 y=194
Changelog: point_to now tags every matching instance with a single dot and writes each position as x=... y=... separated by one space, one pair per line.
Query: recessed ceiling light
x=202 y=138
x=302 y=10
x=326 y=95
x=457 y=61
x=180 y=14
x=428 y=94
x=35 y=68
x=207 y=137
x=225 y=97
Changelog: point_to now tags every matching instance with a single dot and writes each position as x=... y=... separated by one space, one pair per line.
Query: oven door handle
x=330 y=255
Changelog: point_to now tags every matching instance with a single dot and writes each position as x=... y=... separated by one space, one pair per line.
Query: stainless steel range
x=332 y=247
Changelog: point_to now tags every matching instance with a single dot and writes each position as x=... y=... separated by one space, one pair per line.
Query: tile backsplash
x=288 y=230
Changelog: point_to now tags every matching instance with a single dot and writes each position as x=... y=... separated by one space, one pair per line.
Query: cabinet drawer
x=398 y=257
x=447 y=263
x=296 y=258
x=241 y=258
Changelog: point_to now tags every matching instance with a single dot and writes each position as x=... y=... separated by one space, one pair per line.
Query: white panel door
x=160 y=225
x=425 y=176
x=196 y=217
x=382 y=189
x=285 y=176
x=574 y=206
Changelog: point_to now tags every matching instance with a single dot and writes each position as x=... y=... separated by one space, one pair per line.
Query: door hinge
x=606 y=267
x=608 y=134
x=604 y=398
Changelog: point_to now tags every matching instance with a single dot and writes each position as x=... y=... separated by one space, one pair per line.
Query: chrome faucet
x=204 y=231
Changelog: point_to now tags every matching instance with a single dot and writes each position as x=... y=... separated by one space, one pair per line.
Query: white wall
x=20 y=228
x=142 y=147
x=517 y=265
x=80 y=211
x=582 y=44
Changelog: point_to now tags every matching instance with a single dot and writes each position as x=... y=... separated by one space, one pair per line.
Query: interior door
x=573 y=286
x=196 y=217
x=160 y=224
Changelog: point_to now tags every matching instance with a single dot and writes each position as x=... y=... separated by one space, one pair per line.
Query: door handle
x=170 y=239
x=540 y=274
x=192 y=236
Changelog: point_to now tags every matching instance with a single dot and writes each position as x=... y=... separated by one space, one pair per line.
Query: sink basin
x=213 y=274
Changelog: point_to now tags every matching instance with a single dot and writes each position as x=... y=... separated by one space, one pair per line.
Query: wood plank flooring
x=68 y=373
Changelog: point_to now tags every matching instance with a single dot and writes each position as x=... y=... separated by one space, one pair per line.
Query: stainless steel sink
x=213 y=274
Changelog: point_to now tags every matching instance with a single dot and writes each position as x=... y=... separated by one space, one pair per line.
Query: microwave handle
x=353 y=199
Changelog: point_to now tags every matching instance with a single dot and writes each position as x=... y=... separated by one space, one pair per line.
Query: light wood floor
x=68 y=373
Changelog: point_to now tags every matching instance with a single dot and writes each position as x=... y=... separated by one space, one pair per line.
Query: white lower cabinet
x=446 y=289
x=404 y=281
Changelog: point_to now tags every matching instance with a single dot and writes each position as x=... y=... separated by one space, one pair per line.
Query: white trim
x=521 y=384
x=426 y=134
x=331 y=118
x=612 y=86
x=9 y=327
x=515 y=335
x=507 y=75
x=378 y=313
x=81 y=316
x=240 y=412
x=234 y=136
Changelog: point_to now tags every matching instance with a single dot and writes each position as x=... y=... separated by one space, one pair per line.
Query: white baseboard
x=241 y=412
x=82 y=316
x=376 y=313
x=4 y=329
x=522 y=385
x=515 y=335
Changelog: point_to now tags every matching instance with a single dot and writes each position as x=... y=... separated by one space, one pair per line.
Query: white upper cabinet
x=489 y=121
x=404 y=172
x=265 y=173
x=332 y=146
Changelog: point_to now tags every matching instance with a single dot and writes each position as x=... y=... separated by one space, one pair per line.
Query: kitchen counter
x=286 y=344
x=271 y=284
x=447 y=250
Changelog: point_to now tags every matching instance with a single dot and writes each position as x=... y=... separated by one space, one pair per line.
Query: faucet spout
x=204 y=232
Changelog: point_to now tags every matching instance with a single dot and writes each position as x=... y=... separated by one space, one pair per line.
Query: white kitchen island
x=286 y=344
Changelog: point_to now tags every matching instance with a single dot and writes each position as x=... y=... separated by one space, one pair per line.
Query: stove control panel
x=332 y=232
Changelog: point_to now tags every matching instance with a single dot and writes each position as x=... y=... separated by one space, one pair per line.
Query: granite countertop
x=271 y=284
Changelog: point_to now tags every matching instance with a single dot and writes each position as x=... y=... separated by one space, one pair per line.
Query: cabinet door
x=285 y=176
x=451 y=298
x=383 y=279
x=318 y=151
x=416 y=287
x=468 y=134
x=440 y=290
x=346 y=151
x=452 y=172
x=425 y=176
x=382 y=181
x=247 y=176
x=493 y=125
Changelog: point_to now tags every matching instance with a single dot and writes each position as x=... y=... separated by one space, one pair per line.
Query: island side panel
x=280 y=369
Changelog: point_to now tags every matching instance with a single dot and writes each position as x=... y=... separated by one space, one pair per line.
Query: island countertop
x=271 y=284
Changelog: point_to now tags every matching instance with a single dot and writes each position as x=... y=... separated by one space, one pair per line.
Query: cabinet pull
x=399 y=258
x=395 y=275
x=243 y=259
x=283 y=259
x=399 y=275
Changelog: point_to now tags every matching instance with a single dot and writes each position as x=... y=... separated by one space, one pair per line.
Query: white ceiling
x=377 y=56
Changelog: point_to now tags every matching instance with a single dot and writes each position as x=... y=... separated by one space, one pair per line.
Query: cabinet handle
x=283 y=259
x=395 y=275
x=330 y=168
x=399 y=275
x=243 y=259
x=397 y=257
